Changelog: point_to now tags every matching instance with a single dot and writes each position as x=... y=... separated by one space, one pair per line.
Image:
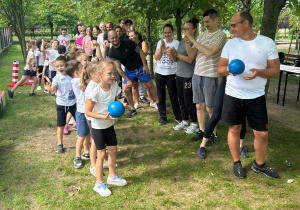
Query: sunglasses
x=234 y=24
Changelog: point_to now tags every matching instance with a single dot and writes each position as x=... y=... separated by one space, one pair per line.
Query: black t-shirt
x=127 y=55
x=123 y=36
x=94 y=51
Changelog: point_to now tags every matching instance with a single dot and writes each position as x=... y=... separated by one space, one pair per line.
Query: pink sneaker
x=66 y=131
x=74 y=126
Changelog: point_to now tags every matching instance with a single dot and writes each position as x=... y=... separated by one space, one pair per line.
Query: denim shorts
x=82 y=126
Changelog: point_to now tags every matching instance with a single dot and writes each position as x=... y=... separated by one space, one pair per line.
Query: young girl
x=78 y=41
x=65 y=98
x=102 y=124
x=74 y=70
x=29 y=70
x=52 y=54
x=39 y=63
x=87 y=42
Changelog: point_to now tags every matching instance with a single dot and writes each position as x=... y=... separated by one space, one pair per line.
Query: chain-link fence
x=5 y=38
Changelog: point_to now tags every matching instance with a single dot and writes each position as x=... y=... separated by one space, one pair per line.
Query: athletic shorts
x=82 y=126
x=90 y=127
x=40 y=71
x=204 y=89
x=136 y=75
x=235 y=110
x=62 y=112
x=104 y=137
x=52 y=74
x=29 y=73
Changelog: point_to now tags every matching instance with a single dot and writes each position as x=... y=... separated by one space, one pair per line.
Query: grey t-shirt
x=184 y=69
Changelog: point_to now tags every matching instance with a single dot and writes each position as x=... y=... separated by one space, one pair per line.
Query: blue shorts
x=136 y=75
x=29 y=73
x=82 y=126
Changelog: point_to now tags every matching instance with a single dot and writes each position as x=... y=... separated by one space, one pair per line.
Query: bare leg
x=234 y=141
x=60 y=134
x=86 y=144
x=112 y=155
x=241 y=142
x=79 y=144
x=19 y=83
x=93 y=152
x=99 y=165
x=129 y=96
x=260 y=145
x=201 y=115
x=135 y=92
x=33 y=84
x=151 y=91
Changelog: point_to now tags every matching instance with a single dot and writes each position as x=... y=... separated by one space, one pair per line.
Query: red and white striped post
x=15 y=74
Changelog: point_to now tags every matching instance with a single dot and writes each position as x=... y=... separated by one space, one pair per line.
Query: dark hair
x=63 y=29
x=61 y=58
x=71 y=67
x=110 y=23
x=77 y=31
x=39 y=43
x=97 y=28
x=61 y=49
x=129 y=21
x=138 y=34
x=211 y=13
x=194 y=21
x=168 y=26
x=246 y=16
x=120 y=20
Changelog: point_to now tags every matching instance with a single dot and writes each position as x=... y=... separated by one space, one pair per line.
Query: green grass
x=160 y=164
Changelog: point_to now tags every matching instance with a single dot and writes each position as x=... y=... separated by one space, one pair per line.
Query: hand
x=108 y=117
x=172 y=51
x=124 y=104
x=146 y=69
x=162 y=45
x=106 y=44
x=186 y=39
x=253 y=75
x=48 y=86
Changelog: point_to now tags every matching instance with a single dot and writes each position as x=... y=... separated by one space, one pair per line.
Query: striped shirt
x=204 y=66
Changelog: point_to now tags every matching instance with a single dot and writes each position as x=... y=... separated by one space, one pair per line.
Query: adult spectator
x=128 y=24
x=76 y=31
x=122 y=25
x=64 y=39
x=109 y=26
x=100 y=38
x=245 y=93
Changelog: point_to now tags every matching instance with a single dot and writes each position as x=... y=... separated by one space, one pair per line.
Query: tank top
x=88 y=46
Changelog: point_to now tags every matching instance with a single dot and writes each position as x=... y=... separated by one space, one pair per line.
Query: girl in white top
x=102 y=124
x=64 y=39
x=52 y=55
x=29 y=70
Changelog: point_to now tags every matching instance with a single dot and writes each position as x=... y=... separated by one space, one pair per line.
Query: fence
x=5 y=38
x=46 y=32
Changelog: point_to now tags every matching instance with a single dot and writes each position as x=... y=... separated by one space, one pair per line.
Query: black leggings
x=216 y=116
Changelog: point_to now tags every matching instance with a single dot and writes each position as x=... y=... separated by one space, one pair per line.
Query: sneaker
x=238 y=170
x=181 y=126
x=144 y=100
x=105 y=165
x=264 y=169
x=10 y=94
x=212 y=140
x=154 y=105
x=116 y=180
x=71 y=121
x=102 y=189
x=66 y=131
x=85 y=156
x=74 y=126
x=243 y=152
x=198 y=136
x=131 y=113
x=119 y=96
x=93 y=171
x=32 y=94
x=77 y=162
x=136 y=105
x=45 y=91
x=193 y=128
x=125 y=101
x=60 y=148
x=39 y=88
x=201 y=153
x=161 y=121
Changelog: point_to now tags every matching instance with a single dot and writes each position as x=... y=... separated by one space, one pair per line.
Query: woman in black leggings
x=209 y=138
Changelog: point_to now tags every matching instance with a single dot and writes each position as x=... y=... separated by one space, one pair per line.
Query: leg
x=112 y=155
x=210 y=112
x=171 y=85
x=135 y=92
x=60 y=134
x=23 y=79
x=99 y=165
x=151 y=91
x=33 y=84
x=180 y=86
x=161 y=95
x=86 y=144
x=201 y=115
x=260 y=145
x=128 y=95
x=234 y=141
x=93 y=152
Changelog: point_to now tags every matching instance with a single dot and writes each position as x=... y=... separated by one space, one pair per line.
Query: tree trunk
x=269 y=22
x=51 y=29
x=150 y=45
x=178 y=24
x=244 y=5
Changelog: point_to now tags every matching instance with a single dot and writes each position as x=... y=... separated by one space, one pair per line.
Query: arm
x=83 y=40
x=89 y=106
x=98 y=50
x=43 y=45
x=182 y=57
x=119 y=69
x=223 y=67
x=68 y=45
x=145 y=48
x=271 y=72
x=93 y=45
x=37 y=63
x=105 y=47
x=159 y=52
x=51 y=88
x=143 y=58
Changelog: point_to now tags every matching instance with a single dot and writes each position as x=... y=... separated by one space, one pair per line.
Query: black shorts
x=235 y=110
x=62 y=112
x=104 y=137
x=29 y=73
x=52 y=74
x=39 y=75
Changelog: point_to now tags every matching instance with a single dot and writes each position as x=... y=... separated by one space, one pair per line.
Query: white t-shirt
x=100 y=40
x=254 y=54
x=41 y=57
x=33 y=61
x=65 y=95
x=80 y=95
x=103 y=99
x=63 y=40
x=52 y=54
x=165 y=65
x=89 y=88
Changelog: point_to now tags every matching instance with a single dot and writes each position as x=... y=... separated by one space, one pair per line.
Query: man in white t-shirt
x=64 y=39
x=207 y=48
x=245 y=93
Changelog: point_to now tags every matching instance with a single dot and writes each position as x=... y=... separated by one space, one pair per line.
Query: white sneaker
x=116 y=180
x=136 y=105
x=102 y=189
x=71 y=121
x=93 y=171
x=38 y=88
x=181 y=126
x=193 y=128
x=154 y=105
x=105 y=164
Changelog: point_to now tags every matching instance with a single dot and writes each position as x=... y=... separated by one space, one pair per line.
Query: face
x=88 y=30
x=33 y=47
x=84 y=61
x=127 y=26
x=113 y=38
x=79 y=27
x=108 y=74
x=82 y=32
x=109 y=27
x=168 y=33
x=132 y=36
x=236 y=25
x=55 y=45
x=63 y=32
x=95 y=31
x=209 y=23
x=122 y=24
x=60 y=66
x=103 y=28
x=188 y=27
x=79 y=22
x=119 y=31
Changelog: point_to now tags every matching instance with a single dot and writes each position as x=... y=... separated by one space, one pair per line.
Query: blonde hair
x=30 y=43
x=85 y=74
x=54 y=40
x=82 y=29
x=102 y=24
x=82 y=56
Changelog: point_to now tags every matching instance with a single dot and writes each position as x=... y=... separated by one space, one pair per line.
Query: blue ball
x=236 y=66
x=116 y=109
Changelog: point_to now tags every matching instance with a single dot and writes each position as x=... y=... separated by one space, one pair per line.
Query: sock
x=259 y=164
x=237 y=162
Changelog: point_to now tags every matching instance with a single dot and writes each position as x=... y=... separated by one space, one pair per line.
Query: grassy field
x=160 y=164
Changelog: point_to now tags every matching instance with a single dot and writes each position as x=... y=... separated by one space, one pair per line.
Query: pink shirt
x=88 y=46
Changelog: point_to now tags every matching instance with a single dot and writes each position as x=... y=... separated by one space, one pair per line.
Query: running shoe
x=10 y=93
x=238 y=170
x=201 y=153
x=265 y=170
x=102 y=189
x=116 y=180
x=198 y=136
x=60 y=148
x=193 y=128
x=131 y=113
x=181 y=126
x=243 y=152
x=77 y=162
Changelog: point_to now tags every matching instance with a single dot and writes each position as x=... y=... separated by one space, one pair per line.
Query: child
x=45 y=76
x=29 y=70
x=74 y=70
x=39 y=63
x=102 y=124
x=83 y=59
x=87 y=42
x=52 y=54
x=65 y=98
x=64 y=39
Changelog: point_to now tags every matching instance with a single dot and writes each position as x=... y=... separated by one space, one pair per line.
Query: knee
x=200 y=106
x=112 y=150
x=263 y=135
x=235 y=129
x=101 y=154
x=148 y=85
x=209 y=110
